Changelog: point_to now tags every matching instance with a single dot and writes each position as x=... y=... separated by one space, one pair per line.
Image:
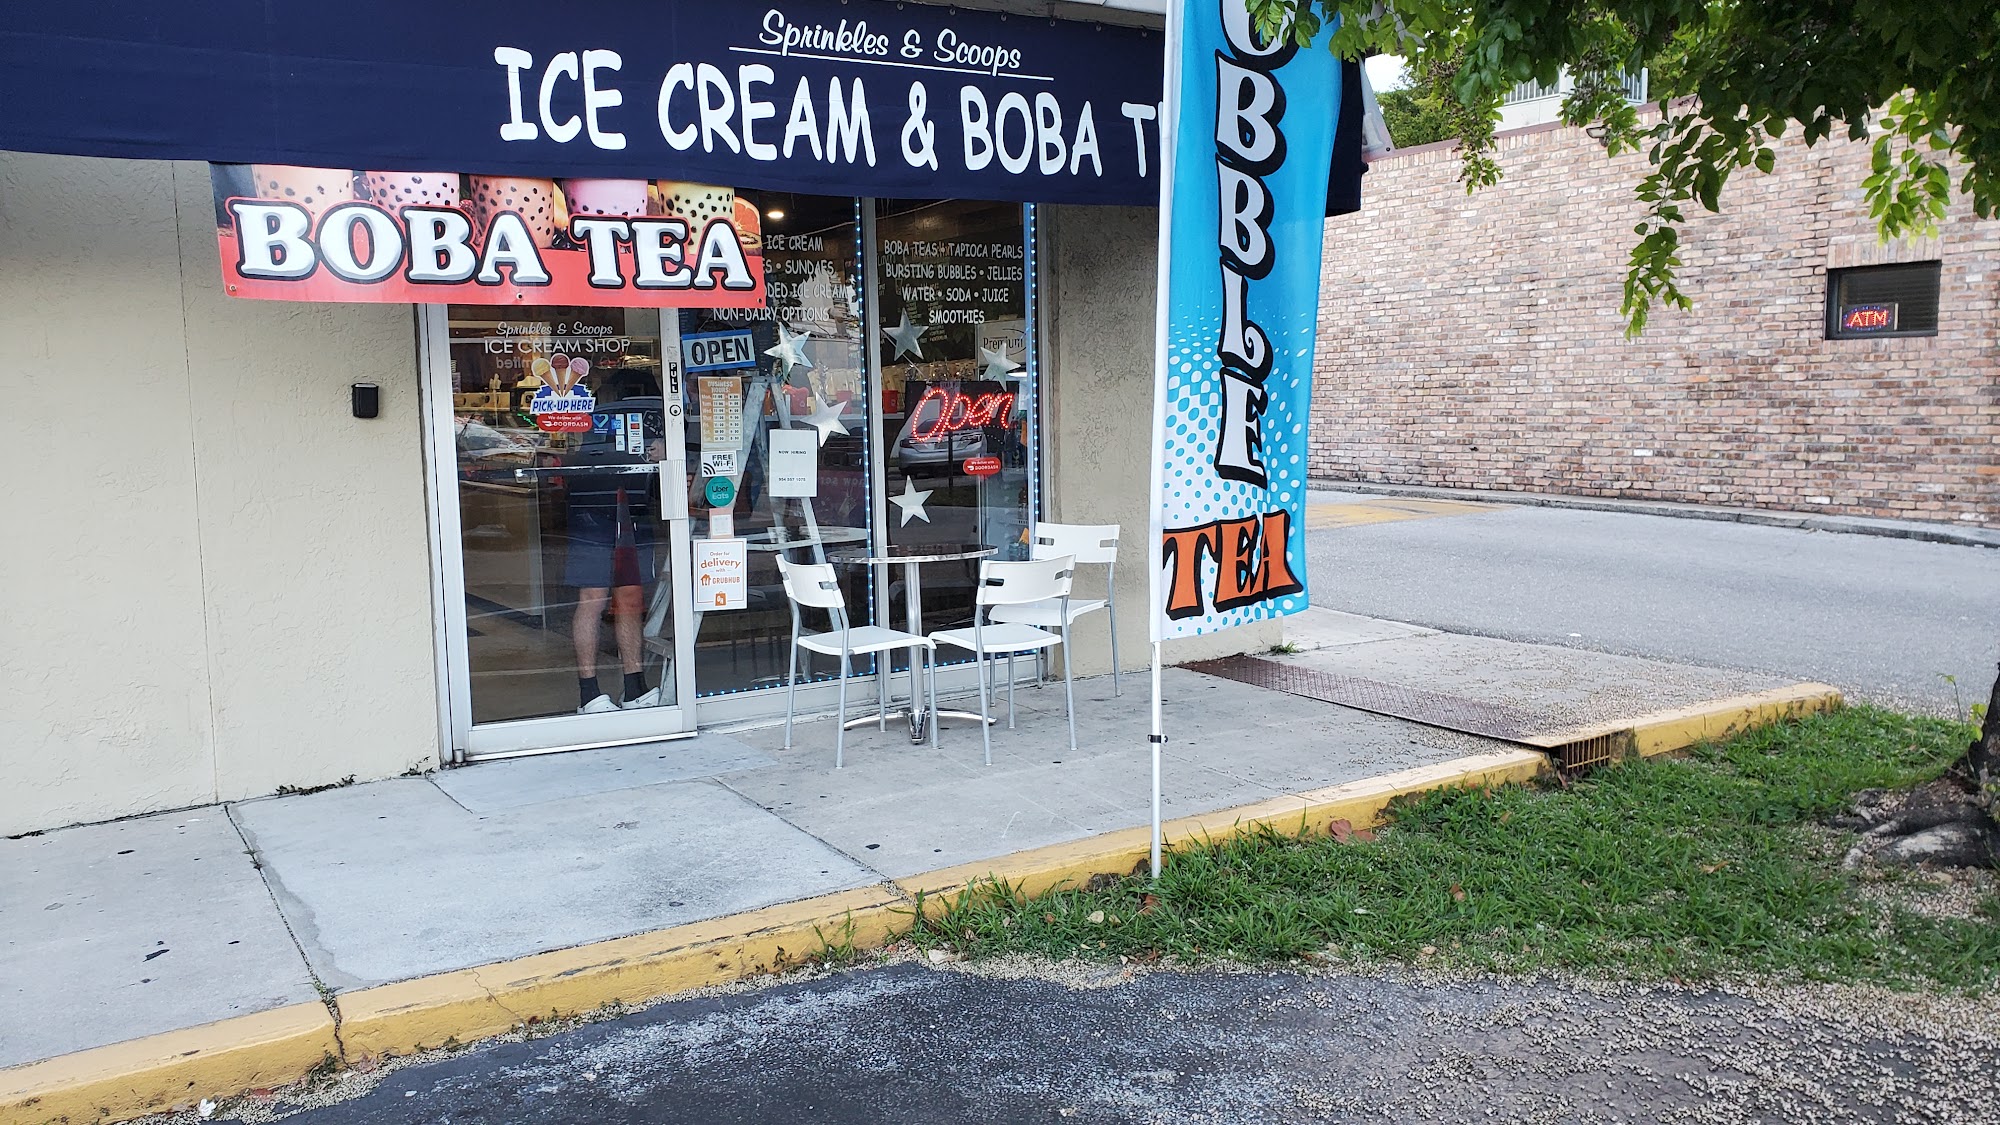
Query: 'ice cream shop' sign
x=344 y=234
x=828 y=97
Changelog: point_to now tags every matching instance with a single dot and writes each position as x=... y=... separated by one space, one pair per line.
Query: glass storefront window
x=957 y=391
x=568 y=584
x=566 y=548
x=811 y=261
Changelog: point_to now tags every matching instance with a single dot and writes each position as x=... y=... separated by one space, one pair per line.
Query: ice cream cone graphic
x=565 y=373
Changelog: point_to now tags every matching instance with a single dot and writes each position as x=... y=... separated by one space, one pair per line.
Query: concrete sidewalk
x=120 y=931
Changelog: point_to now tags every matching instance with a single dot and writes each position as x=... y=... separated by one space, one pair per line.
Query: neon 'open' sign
x=957 y=412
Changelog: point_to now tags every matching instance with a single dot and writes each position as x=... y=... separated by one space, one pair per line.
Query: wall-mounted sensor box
x=367 y=400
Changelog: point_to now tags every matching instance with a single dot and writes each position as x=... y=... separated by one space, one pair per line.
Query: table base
x=920 y=717
x=919 y=722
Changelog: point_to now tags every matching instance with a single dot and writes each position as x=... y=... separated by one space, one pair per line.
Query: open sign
x=941 y=411
x=715 y=351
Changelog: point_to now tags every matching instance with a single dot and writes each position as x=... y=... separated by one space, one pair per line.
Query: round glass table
x=911 y=556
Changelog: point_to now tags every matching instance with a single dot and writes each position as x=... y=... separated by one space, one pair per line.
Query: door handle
x=673 y=489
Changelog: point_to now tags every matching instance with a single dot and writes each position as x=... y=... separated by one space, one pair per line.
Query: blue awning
x=857 y=98
x=843 y=98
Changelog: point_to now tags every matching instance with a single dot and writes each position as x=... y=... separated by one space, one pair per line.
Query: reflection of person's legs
x=584 y=631
x=631 y=560
x=628 y=618
x=588 y=572
x=628 y=612
x=610 y=558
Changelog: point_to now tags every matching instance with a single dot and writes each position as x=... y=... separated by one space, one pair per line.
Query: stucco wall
x=1099 y=269
x=103 y=673
x=218 y=580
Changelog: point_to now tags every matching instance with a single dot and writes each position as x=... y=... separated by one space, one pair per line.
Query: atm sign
x=714 y=351
x=1868 y=318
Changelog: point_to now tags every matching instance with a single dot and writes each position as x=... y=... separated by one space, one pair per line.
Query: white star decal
x=996 y=365
x=907 y=337
x=790 y=351
x=912 y=502
x=826 y=419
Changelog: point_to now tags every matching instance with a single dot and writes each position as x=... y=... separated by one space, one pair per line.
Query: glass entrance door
x=563 y=525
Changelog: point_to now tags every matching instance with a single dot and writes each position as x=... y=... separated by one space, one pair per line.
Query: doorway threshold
x=537 y=751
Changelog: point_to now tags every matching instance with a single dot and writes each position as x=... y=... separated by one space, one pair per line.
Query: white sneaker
x=650 y=699
x=597 y=706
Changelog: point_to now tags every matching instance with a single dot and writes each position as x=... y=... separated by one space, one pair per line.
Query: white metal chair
x=1091 y=543
x=1015 y=584
x=813 y=586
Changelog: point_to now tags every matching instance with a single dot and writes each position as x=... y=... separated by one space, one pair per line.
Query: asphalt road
x=1883 y=619
x=915 y=1046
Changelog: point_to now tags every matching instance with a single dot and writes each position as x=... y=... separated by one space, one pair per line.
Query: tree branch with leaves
x=1731 y=77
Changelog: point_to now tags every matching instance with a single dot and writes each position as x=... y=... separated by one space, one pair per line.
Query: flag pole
x=1156 y=740
x=1169 y=113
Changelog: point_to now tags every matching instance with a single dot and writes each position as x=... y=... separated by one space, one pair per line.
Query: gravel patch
x=1017 y=1039
x=1946 y=894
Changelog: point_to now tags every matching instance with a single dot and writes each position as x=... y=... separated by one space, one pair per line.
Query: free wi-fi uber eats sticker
x=346 y=234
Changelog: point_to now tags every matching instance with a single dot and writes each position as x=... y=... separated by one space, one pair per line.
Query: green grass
x=1688 y=869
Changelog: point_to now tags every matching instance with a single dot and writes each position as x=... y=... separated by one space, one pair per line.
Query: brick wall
x=1475 y=342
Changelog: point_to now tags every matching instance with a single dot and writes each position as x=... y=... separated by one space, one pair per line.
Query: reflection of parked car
x=950 y=422
x=486 y=453
x=611 y=442
x=943 y=455
x=615 y=455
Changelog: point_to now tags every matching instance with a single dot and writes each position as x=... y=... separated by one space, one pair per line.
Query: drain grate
x=1432 y=708
x=1587 y=754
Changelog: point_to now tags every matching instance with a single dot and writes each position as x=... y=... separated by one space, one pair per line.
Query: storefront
x=284 y=543
x=618 y=581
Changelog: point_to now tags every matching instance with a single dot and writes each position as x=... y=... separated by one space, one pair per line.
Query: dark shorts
x=600 y=557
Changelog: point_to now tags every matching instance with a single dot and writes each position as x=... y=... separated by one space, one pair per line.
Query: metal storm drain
x=1589 y=753
x=1432 y=708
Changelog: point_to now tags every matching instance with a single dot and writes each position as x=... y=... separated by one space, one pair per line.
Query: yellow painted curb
x=174 y=1068
x=1360 y=803
x=1664 y=732
x=1322 y=516
x=490 y=1000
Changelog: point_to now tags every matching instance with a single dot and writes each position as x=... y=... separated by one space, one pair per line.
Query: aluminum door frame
x=552 y=734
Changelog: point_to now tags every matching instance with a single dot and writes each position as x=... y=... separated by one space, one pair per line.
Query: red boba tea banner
x=339 y=234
